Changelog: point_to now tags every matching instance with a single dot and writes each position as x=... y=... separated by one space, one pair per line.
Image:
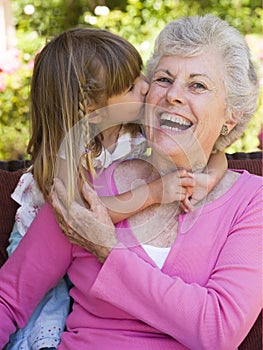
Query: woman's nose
x=175 y=94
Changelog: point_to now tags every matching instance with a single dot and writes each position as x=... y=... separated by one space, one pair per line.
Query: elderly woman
x=167 y=280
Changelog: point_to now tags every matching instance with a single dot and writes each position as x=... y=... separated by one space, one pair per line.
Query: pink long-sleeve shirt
x=207 y=295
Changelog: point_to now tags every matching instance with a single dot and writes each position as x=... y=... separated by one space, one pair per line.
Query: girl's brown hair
x=79 y=68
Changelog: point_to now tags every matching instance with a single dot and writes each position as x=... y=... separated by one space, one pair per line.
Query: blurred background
x=26 y=25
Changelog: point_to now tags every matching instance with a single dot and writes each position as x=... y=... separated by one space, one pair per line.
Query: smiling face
x=191 y=107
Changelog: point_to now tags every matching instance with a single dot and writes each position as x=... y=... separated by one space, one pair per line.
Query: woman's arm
x=216 y=308
x=215 y=315
x=39 y=262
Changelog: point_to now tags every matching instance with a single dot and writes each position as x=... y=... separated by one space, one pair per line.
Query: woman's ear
x=232 y=120
x=230 y=125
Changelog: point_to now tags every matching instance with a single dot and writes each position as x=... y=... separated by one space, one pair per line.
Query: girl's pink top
x=207 y=295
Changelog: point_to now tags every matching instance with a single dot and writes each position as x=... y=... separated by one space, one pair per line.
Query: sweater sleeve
x=217 y=315
x=38 y=263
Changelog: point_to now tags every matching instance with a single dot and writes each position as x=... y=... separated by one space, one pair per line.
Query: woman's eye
x=163 y=80
x=198 y=86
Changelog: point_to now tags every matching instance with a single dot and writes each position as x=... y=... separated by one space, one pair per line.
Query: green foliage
x=246 y=15
x=46 y=20
x=144 y=19
x=14 y=115
x=139 y=21
x=14 y=139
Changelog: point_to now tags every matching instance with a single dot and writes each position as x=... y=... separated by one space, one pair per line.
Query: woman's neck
x=164 y=165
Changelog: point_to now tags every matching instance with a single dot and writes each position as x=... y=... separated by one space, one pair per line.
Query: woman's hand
x=90 y=228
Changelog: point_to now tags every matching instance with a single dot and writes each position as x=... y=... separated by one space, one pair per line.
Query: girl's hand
x=91 y=228
x=175 y=186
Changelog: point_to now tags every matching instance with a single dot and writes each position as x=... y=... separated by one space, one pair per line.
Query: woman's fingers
x=92 y=229
x=58 y=198
x=59 y=190
x=93 y=224
x=91 y=196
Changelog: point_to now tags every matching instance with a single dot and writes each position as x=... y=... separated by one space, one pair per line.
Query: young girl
x=75 y=76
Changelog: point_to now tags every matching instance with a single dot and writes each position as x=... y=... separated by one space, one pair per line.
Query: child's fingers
x=186 y=204
x=187 y=182
x=183 y=207
x=184 y=173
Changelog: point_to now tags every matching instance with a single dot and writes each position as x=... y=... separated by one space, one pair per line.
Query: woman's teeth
x=174 y=122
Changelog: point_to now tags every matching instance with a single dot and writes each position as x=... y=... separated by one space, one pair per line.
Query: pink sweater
x=207 y=295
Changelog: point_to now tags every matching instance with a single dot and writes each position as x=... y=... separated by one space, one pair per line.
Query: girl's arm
x=166 y=189
x=175 y=186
